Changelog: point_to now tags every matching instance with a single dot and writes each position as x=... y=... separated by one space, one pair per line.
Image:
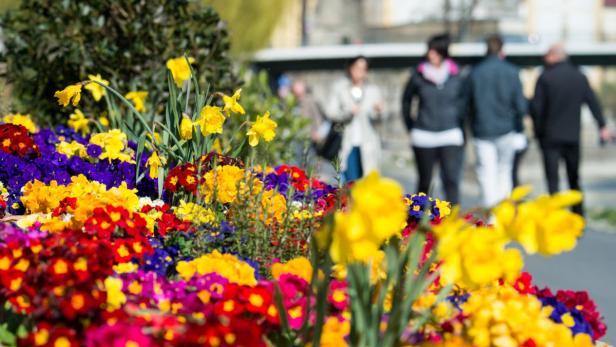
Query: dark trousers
x=450 y=159
x=517 y=160
x=570 y=154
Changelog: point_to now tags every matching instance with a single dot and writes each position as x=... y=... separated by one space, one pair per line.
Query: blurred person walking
x=354 y=104
x=559 y=94
x=436 y=130
x=498 y=107
x=307 y=106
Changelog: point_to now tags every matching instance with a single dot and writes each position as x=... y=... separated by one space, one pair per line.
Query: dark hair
x=354 y=60
x=494 y=43
x=440 y=44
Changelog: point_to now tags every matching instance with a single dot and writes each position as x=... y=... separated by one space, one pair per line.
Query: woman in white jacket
x=357 y=103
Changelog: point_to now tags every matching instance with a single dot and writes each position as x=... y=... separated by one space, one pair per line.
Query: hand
x=605 y=134
x=378 y=107
x=355 y=109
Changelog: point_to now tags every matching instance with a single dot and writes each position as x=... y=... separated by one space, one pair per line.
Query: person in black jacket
x=559 y=94
x=436 y=131
x=498 y=107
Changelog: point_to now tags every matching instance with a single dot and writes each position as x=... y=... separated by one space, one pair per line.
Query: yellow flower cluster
x=225 y=265
x=274 y=206
x=474 y=256
x=542 y=225
x=377 y=213
x=39 y=198
x=225 y=183
x=114 y=145
x=335 y=331
x=21 y=119
x=194 y=213
x=300 y=267
x=500 y=316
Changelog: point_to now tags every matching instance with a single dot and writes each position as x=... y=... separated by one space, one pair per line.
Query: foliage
x=263 y=17
x=258 y=96
x=53 y=43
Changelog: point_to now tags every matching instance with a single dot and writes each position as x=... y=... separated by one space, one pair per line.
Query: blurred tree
x=251 y=22
x=51 y=44
x=8 y=4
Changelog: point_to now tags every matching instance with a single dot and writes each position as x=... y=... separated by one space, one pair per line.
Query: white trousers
x=494 y=167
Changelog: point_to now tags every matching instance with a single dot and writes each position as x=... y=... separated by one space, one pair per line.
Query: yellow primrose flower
x=21 y=119
x=186 y=128
x=154 y=162
x=180 y=70
x=71 y=149
x=211 y=120
x=115 y=296
x=138 y=99
x=104 y=121
x=114 y=145
x=96 y=89
x=263 y=127
x=78 y=122
x=71 y=92
x=194 y=213
x=225 y=265
x=232 y=104
x=299 y=266
x=335 y=332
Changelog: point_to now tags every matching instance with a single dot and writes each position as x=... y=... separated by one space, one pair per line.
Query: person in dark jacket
x=436 y=130
x=498 y=107
x=559 y=94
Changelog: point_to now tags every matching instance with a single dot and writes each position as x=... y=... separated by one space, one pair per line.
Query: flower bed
x=129 y=237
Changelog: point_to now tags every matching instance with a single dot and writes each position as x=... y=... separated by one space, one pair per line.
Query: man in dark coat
x=559 y=94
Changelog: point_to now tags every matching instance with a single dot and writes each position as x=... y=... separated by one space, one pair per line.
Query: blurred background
x=265 y=45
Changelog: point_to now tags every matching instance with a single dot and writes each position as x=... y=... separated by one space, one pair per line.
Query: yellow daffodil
x=21 y=119
x=186 y=128
x=211 y=120
x=154 y=162
x=78 y=122
x=264 y=128
x=232 y=104
x=180 y=70
x=96 y=89
x=543 y=225
x=377 y=213
x=71 y=92
x=138 y=99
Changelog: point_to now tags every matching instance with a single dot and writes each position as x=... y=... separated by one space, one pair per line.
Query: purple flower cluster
x=51 y=165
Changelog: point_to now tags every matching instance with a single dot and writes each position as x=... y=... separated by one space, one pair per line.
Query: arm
x=538 y=107
x=519 y=103
x=407 y=97
x=593 y=103
x=338 y=109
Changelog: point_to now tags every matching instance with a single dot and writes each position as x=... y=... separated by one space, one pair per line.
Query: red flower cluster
x=583 y=303
x=15 y=139
x=125 y=231
x=55 y=278
x=297 y=177
x=167 y=221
